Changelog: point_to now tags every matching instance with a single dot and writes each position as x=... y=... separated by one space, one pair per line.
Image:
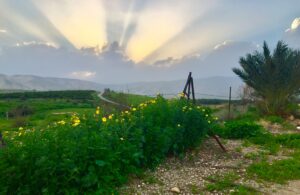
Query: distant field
x=38 y=109
x=126 y=99
x=34 y=109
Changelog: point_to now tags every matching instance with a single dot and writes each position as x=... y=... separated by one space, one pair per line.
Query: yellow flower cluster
x=75 y=120
x=181 y=95
x=98 y=110
x=62 y=122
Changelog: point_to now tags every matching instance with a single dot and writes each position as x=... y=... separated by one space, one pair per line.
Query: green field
x=72 y=142
x=39 y=109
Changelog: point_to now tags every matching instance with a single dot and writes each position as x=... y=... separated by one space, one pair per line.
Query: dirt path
x=100 y=95
x=191 y=174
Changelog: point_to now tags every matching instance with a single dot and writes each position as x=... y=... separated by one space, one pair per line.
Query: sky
x=123 y=41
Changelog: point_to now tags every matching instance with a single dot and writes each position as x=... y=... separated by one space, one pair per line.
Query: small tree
x=274 y=77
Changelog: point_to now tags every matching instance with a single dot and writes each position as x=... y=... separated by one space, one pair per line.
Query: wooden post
x=193 y=90
x=190 y=86
x=189 y=89
x=229 y=104
x=187 y=83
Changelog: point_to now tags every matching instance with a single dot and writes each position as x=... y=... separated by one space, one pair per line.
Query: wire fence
x=198 y=96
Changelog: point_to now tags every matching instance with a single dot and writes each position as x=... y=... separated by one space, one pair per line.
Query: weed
x=194 y=189
x=279 y=171
x=227 y=182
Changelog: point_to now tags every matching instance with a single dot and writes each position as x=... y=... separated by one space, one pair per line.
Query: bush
x=96 y=153
x=252 y=114
x=21 y=110
x=275 y=119
x=239 y=129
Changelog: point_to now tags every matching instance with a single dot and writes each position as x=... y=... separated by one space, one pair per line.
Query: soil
x=191 y=174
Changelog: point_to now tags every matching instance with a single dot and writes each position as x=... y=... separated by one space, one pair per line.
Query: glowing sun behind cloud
x=82 y=22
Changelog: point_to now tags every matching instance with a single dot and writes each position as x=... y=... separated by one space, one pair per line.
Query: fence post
x=229 y=104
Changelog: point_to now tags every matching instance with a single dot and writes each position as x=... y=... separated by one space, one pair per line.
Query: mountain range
x=211 y=87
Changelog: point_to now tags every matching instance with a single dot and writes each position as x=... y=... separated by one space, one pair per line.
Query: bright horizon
x=139 y=40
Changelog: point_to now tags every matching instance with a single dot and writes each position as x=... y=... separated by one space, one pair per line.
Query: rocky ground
x=195 y=171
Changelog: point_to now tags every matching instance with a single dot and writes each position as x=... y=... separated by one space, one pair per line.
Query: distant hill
x=28 y=82
x=212 y=87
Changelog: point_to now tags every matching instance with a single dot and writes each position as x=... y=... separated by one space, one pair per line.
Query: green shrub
x=275 y=119
x=252 y=114
x=96 y=153
x=239 y=129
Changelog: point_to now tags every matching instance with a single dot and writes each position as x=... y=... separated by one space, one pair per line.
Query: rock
x=175 y=190
x=291 y=118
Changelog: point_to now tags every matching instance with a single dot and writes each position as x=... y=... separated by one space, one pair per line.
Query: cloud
x=111 y=65
x=83 y=74
x=292 y=34
x=218 y=62
x=27 y=23
x=3 y=31
x=295 y=24
x=159 y=22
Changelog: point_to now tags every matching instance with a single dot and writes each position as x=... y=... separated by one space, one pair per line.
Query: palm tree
x=274 y=77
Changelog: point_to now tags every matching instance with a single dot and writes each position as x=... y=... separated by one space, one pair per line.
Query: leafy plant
x=274 y=77
x=239 y=129
x=96 y=153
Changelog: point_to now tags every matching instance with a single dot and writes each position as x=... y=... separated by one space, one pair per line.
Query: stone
x=175 y=190
x=291 y=118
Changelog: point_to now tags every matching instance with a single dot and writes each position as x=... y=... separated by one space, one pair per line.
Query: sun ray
x=82 y=22
x=128 y=20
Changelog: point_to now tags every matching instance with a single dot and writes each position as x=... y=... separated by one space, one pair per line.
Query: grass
x=227 y=182
x=126 y=99
x=194 y=189
x=45 y=105
x=151 y=179
x=279 y=171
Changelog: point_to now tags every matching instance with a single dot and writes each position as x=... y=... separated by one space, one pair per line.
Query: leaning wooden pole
x=190 y=87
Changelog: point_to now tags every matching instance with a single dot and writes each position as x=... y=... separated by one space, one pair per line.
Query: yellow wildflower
x=104 y=119
x=133 y=109
x=110 y=116
x=181 y=94
x=75 y=121
x=62 y=122
x=20 y=128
